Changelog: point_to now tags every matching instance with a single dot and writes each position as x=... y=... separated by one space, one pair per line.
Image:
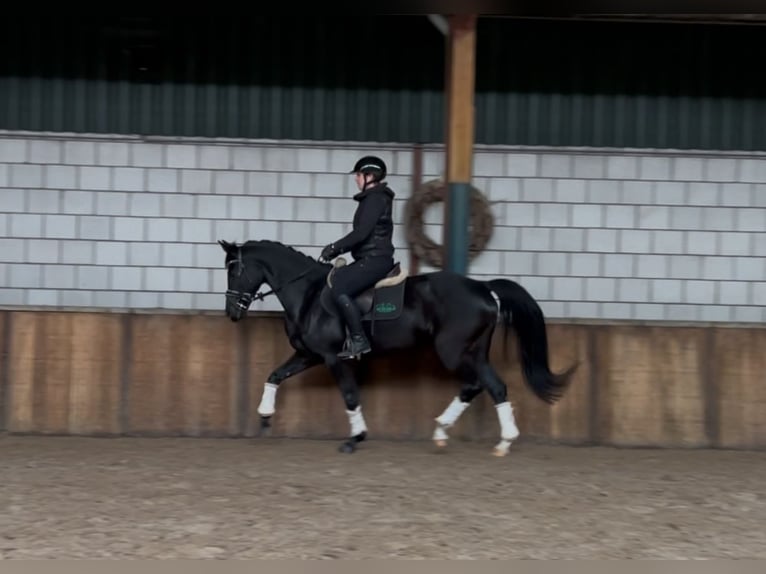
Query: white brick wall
x=91 y=221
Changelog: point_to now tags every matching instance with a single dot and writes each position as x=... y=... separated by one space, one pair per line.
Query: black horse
x=454 y=313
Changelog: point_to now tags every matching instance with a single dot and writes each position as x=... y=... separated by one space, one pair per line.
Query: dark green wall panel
x=247 y=75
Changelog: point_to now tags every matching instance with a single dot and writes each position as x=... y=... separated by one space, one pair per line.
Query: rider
x=369 y=243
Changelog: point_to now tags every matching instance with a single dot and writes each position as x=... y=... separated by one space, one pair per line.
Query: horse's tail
x=520 y=310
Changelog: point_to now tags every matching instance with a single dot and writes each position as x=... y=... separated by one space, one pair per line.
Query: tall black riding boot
x=357 y=342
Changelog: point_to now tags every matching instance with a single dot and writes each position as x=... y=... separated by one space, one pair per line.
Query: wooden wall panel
x=96 y=373
x=34 y=378
x=83 y=373
x=5 y=326
x=64 y=373
x=156 y=381
x=649 y=388
x=571 y=417
x=184 y=376
x=738 y=372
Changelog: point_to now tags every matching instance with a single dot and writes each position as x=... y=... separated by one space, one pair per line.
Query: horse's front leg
x=344 y=376
x=297 y=363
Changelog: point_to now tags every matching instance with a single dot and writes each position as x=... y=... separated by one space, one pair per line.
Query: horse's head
x=242 y=282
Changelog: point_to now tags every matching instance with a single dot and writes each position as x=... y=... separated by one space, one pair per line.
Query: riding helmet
x=371 y=164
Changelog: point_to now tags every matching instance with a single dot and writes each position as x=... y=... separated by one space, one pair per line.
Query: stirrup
x=352 y=349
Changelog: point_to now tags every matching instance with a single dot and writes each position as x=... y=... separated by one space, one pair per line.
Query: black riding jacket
x=373 y=224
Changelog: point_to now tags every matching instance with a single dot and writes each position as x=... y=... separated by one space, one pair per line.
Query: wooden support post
x=461 y=72
x=417 y=180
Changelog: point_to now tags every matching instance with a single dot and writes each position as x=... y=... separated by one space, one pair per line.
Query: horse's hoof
x=440 y=443
x=347 y=447
x=265 y=430
x=501 y=449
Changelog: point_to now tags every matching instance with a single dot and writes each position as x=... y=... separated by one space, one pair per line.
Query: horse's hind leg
x=499 y=393
x=470 y=388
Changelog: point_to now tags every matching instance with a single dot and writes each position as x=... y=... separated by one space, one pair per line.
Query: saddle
x=381 y=302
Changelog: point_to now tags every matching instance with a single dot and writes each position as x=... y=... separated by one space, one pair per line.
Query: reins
x=260 y=295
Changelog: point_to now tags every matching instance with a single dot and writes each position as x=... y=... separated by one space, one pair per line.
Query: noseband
x=243 y=299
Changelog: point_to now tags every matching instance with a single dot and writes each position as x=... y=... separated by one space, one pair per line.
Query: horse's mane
x=256 y=243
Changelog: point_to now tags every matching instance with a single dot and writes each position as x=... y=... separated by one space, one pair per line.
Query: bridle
x=243 y=299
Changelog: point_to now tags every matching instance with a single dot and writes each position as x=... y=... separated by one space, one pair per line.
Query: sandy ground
x=67 y=497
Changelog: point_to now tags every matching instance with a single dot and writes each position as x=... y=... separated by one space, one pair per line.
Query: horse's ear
x=226 y=246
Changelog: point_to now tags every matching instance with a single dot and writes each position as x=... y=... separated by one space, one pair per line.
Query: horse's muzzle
x=237 y=304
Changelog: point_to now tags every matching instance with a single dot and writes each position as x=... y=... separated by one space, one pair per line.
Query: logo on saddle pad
x=386 y=307
x=381 y=302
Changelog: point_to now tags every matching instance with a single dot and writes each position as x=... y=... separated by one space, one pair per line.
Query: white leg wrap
x=452 y=413
x=356 y=420
x=508 y=430
x=266 y=408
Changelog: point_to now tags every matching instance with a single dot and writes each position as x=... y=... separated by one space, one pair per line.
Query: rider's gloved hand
x=329 y=252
